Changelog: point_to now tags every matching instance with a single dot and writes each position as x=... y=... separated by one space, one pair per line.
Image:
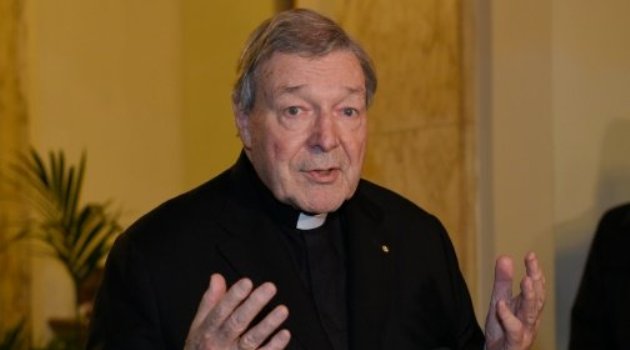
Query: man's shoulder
x=414 y=232
x=613 y=229
x=618 y=215
x=388 y=200
x=393 y=209
x=192 y=210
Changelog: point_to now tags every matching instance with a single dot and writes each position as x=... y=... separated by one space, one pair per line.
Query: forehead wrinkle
x=287 y=89
x=355 y=90
x=271 y=68
x=295 y=89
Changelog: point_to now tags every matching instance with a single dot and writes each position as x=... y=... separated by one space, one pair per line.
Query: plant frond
x=78 y=235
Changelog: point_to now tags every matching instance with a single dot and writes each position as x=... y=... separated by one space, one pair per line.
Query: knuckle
x=203 y=341
x=531 y=319
x=248 y=341
x=235 y=324
x=214 y=319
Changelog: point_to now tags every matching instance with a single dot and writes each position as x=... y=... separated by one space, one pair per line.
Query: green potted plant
x=78 y=235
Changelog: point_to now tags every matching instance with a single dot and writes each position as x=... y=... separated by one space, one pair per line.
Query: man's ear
x=242 y=125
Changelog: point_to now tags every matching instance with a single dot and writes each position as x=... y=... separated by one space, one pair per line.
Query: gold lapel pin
x=385 y=248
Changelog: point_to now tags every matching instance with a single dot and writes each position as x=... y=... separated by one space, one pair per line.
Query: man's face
x=306 y=133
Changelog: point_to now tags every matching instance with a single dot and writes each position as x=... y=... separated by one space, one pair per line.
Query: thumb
x=502 y=290
x=210 y=298
x=503 y=277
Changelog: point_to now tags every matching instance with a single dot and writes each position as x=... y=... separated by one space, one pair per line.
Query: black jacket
x=411 y=297
x=600 y=318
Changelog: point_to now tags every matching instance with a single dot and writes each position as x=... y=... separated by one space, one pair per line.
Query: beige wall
x=213 y=35
x=554 y=84
x=514 y=106
x=105 y=78
x=591 y=97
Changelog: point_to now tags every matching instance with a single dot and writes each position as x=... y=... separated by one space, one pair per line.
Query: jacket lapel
x=370 y=272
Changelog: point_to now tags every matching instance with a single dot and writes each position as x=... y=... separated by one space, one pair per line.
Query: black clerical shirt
x=319 y=258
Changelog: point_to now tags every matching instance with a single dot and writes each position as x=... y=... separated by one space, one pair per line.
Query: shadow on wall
x=574 y=236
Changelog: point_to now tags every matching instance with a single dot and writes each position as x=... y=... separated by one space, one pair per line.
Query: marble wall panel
x=420 y=136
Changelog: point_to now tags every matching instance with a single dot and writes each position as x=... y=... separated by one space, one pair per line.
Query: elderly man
x=300 y=252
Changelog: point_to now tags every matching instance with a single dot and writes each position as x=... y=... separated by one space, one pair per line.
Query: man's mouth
x=323 y=176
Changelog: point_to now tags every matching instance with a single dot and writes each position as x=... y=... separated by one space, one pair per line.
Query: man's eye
x=349 y=112
x=293 y=110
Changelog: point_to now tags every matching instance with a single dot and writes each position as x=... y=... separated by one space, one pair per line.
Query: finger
x=511 y=324
x=230 y=301
x=255 y=336
x=279 y=341
x=210 y=298
x=240 y=319
x=503 y=275
x=532 y=267
x=534 y=271
x=527 y=311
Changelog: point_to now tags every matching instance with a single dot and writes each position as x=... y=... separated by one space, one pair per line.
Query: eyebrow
x=285 y=89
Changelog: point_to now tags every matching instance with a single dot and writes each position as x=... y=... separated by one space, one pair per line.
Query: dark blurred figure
x=600 y=318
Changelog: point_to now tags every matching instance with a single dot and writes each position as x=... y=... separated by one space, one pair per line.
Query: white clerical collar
x=309 y=222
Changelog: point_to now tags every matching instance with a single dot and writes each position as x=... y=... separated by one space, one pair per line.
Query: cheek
x=361 y=147
x=278 y=151
x=286 y=148
x=356 y=147
x=266 y=142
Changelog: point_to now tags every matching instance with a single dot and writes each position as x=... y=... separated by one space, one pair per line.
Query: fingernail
x=268 y=288
x=285 y=335
x=244 y=285
x=281 y=311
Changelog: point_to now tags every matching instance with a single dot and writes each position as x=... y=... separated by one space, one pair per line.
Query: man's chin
x=324 y=206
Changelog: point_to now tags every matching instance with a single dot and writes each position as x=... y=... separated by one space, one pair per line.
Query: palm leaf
x=79 y=235
x=93 y=236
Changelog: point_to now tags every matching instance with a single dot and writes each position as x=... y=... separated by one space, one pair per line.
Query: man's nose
x=324 y=136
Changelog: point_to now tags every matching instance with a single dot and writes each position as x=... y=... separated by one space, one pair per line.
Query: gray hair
x=298 y=31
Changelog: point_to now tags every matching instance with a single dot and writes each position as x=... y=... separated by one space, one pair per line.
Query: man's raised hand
x=223 y=318
x=512 y=321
